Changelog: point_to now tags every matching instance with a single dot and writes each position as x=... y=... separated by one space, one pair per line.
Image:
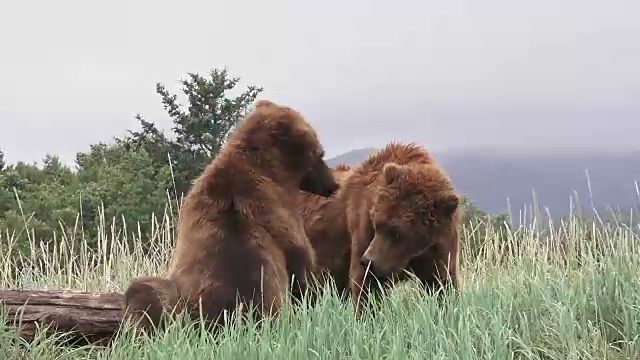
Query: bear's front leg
x=300 y=261
x=437 y=270
x=362 y=282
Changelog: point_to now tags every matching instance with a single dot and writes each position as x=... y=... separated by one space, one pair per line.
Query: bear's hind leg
x=147 y=300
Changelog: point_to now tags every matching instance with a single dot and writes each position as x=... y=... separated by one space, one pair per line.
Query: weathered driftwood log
x=93 y=317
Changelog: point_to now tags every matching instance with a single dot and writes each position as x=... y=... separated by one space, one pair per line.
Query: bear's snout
x=332 y=189
x=320 y=181
x=373 y=268
x=364 y=261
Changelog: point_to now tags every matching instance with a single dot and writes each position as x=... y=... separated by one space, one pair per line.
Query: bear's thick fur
x=325 y=224
x=402 y=215
x=240 y=233
x=149 y=298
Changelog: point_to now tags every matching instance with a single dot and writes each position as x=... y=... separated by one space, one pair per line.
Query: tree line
x=135 y=178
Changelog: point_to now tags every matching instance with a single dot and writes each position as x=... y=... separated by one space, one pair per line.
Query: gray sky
x=449 y=74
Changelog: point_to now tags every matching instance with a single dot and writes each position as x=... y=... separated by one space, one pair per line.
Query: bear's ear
x=391 y=173
x=449 y=205
x=291 y=139
x=285 y=130
x=264 y=117
x=263 y=104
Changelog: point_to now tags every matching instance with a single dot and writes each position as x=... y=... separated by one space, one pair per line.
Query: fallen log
x=92 y=317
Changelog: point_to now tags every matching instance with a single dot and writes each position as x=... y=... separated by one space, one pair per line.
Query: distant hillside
x=490 y=179
x=351 y=157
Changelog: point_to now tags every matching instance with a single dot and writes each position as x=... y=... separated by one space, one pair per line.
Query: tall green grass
x=574 y=294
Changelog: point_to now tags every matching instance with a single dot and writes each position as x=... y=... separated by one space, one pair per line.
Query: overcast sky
x=449 y=74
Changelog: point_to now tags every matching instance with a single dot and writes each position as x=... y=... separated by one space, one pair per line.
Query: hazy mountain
x=489 y=179
x=351 y=157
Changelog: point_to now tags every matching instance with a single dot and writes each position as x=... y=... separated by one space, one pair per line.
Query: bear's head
x=285 y=141
x=414 y=209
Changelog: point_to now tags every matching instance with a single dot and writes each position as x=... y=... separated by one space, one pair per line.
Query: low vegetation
x=573 y=296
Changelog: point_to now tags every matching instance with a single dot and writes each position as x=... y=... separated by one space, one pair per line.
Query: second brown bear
x=396 y=212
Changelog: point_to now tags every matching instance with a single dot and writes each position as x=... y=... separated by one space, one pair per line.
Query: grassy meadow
x=575 y=295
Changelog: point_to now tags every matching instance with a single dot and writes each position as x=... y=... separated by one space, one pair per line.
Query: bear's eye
x=390 y=232
x=394 y=234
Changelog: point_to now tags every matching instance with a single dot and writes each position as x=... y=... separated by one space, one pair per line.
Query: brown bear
x=325 y=224
x=240 y=233
x=402 y=216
